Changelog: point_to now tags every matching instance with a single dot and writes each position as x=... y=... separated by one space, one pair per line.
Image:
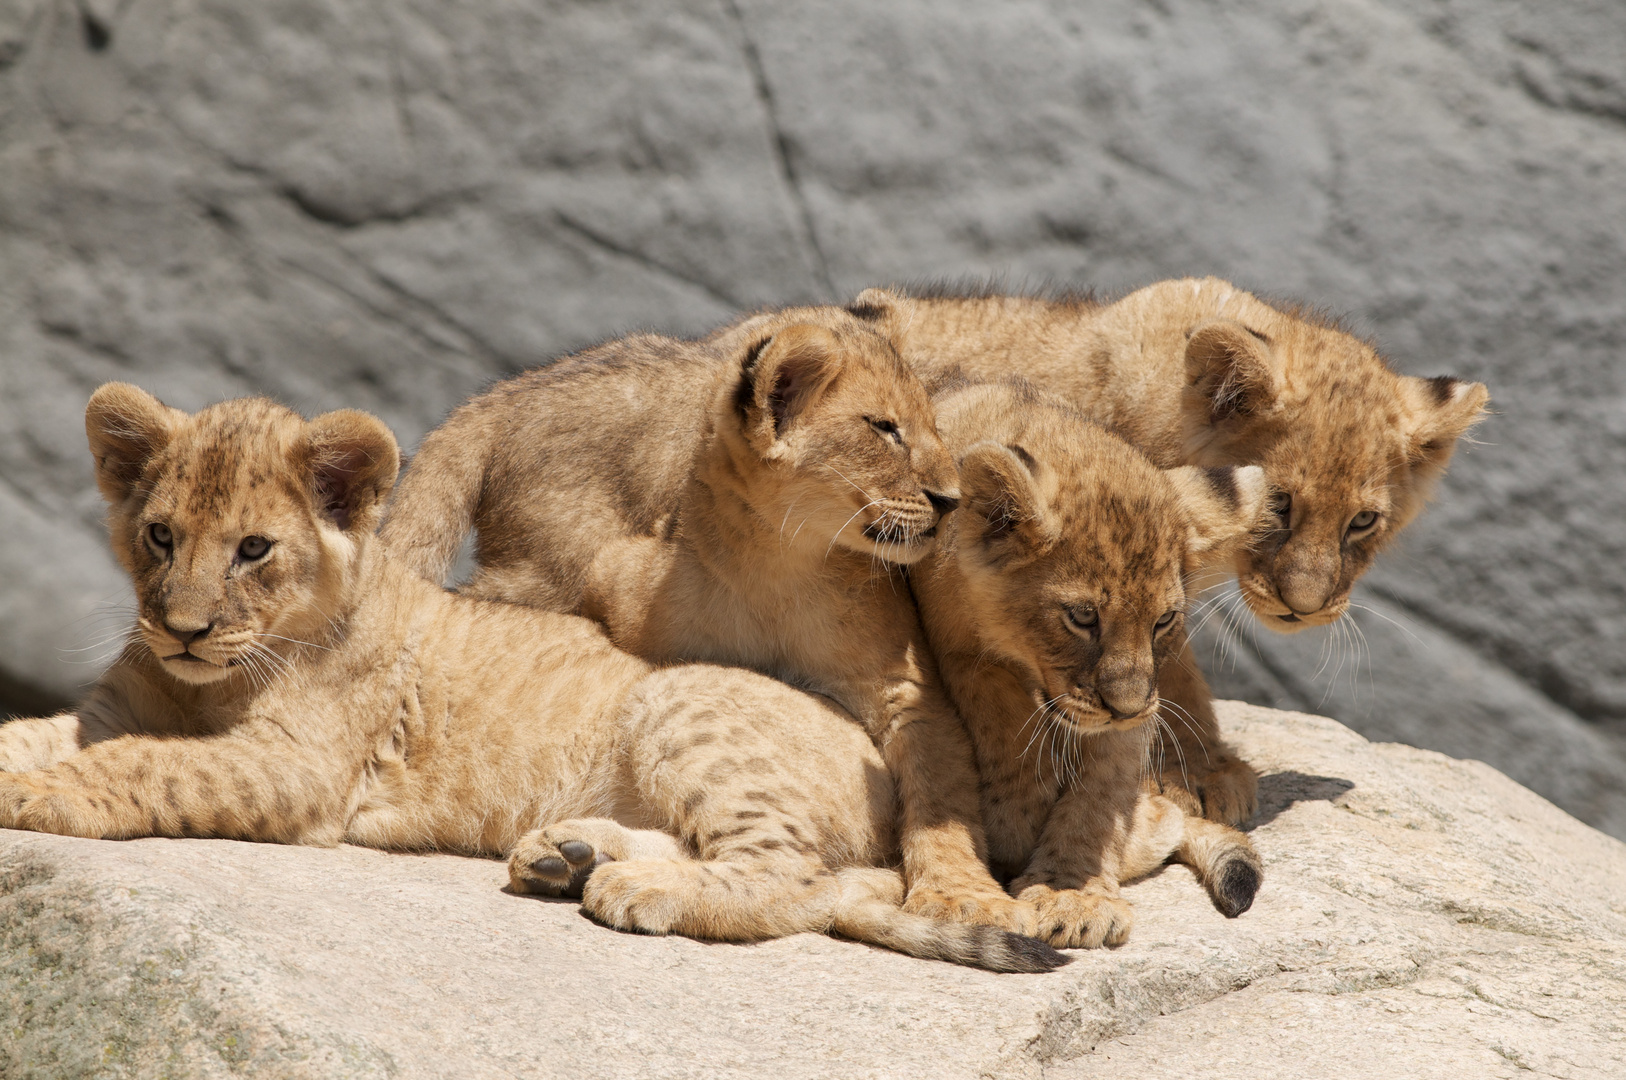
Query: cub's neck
x=986 y=685
x=738 y=516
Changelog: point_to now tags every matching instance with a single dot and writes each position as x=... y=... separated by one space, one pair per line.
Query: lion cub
x=1199 y=372
x=288 y=681
x=741 y=503
x=1053 y=603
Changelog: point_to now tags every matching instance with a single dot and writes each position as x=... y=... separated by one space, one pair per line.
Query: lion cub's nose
x=942 y=503
x=185 y=636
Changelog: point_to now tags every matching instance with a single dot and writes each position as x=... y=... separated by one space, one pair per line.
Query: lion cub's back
x=589 y=452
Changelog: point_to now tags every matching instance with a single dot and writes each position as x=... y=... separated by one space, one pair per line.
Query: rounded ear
x=1224 y=506
x=1230 y=370
x=786 y=374
x=1002 y=502
x=126 y=427
x=353 y=459
x=873 y=304
x=1444 y=408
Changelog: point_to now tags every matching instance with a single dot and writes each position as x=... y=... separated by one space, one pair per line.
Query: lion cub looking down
x=1055 y=597
x=288 y=681
x=1199 y=372
x=739 y=505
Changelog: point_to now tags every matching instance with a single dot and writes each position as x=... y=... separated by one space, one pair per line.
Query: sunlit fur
x=1056 y=596
x=347 y=698
x=741 y=500
x=1199 y=372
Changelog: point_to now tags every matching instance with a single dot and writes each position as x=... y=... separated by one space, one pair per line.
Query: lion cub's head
x=1351 y=449
x=843 y=435
x=1074 y=550
x=240 y=525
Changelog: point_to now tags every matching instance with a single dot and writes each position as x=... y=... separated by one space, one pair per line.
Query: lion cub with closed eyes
x=743 y=500
x=288 y=681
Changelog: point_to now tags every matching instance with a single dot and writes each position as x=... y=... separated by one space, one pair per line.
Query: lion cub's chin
x=194 y=669
x=902 y=552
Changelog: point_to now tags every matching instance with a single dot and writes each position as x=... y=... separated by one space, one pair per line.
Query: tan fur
x=1199 y=372
x=1055 y=597
x=744 y=503
x=288 y=681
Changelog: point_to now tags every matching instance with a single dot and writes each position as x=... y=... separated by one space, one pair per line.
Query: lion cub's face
x=849 y=438
x=239 y=525
x=1076 y=549
x=1351 y=450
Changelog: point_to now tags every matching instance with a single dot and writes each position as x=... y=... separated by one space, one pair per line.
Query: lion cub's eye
x=1082 y=617
x=253 y=547
x=1281 y=504
x=886 y=429
x=1363 y=521
x=1164 y=620
x=159 y=536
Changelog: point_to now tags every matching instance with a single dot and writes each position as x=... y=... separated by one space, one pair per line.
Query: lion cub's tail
x=868 y=910
x=1224 y=858
x=435 y=502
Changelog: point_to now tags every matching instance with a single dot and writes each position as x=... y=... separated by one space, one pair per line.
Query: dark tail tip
x=1234 y=891
x=1025 y=954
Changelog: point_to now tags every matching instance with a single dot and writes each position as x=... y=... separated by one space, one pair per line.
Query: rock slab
x=1421 y=917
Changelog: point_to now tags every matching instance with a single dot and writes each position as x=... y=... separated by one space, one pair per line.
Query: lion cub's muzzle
x=1087 y=713
x=910 y=521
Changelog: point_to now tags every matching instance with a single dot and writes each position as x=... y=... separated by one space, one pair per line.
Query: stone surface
x=388 y=205
x=1420 y=916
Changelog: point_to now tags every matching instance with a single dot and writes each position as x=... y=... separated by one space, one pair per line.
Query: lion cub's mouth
x=1087 y=719
x=192 y=658
x=884 y=532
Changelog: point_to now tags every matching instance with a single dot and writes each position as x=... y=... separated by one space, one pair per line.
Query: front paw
x=1226 y=790
x=644 y=896
x=14 y=796
x=27 y=804
x=557 y=859
x=1074 y=919
x=978 y=907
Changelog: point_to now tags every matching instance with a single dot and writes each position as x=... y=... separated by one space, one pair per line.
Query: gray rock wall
x=388 y=205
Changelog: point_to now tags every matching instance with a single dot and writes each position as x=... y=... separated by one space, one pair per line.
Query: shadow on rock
x=1279 y=791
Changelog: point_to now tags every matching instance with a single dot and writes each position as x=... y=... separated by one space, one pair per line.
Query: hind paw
x=1074 y=919
x=557 y=859
x=979 y=908
x=1227 y=792
x=646 y=896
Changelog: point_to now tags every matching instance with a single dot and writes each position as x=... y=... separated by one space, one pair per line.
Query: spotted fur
x=1055 y=600
x=1199 y=372
x=742 y=500
x=288 y=681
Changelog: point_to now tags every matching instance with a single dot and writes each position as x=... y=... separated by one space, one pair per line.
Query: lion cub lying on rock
x=288 y=681
x=1054 y=600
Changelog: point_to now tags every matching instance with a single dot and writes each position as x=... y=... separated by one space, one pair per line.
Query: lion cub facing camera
x=742 y=502
x=1055 y=597
x=288 y=681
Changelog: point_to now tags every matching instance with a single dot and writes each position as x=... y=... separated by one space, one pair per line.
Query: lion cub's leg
x=1198 y=770
x=1073 y=875
x=772 y=790
x=557 y=859
x=38 y=742
x=1223 y=858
